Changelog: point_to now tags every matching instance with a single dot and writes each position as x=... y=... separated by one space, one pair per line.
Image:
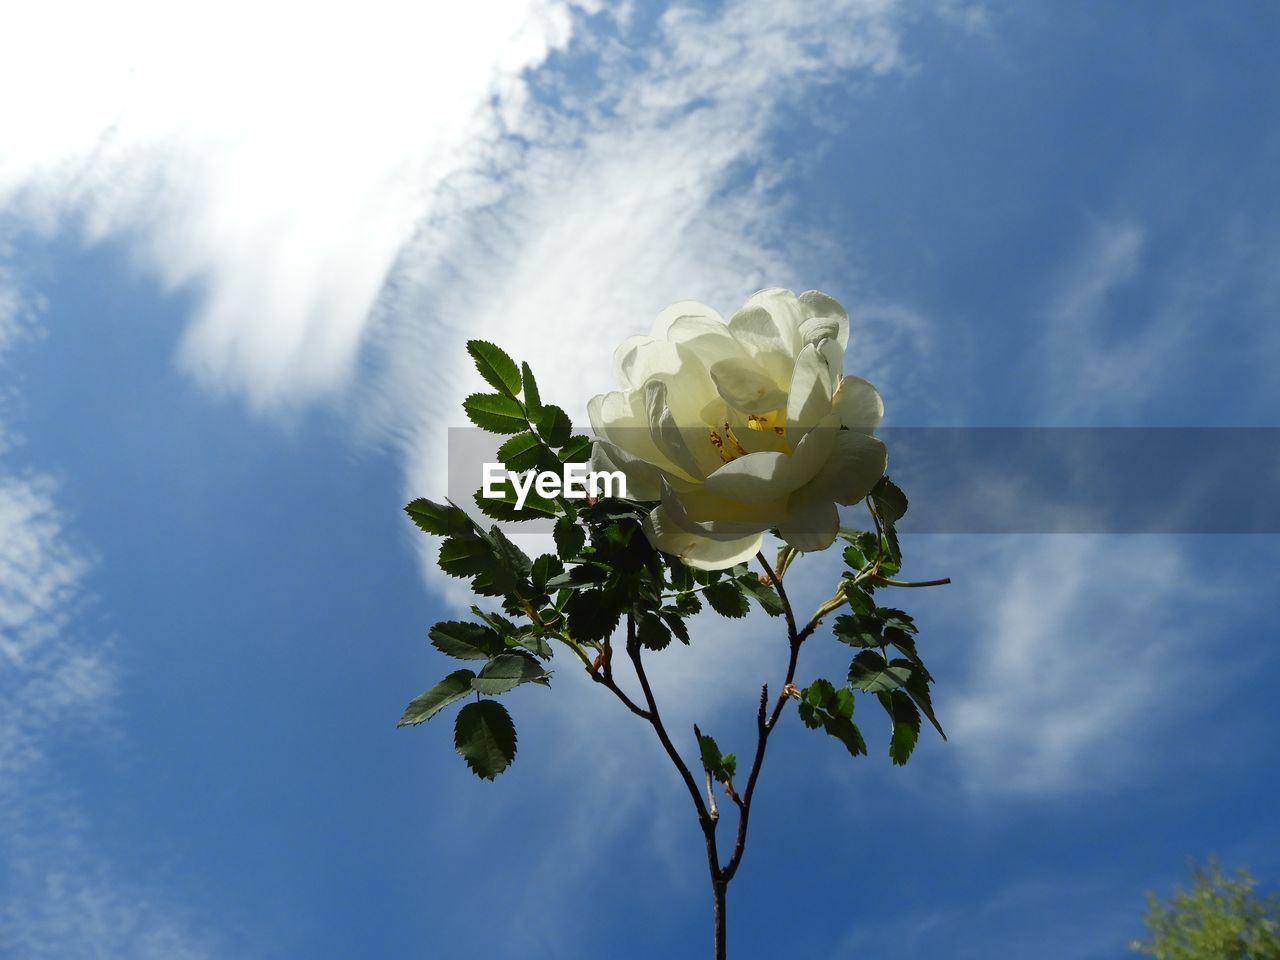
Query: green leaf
x=485 y=737
x=727 y=599
x=532 y=398
x=847 y=732
x=497 y=622
x=544 y=568
x=533 y=641
x=467 y=557
x=441 y=519
x=917 y=688
x=426 y=705
x=871 y=674
x=593 y=615
x=570 y=538
x=464 y=640
x=495 y=412
x=503 y=506
x=822 y=705
x=521 y=452
x=896 y=619
x=652 y=633
x=859 y=599
x=721 y=768
x=577 y=449
x=495 y=366
x=506 y=672
x=890 y=501
x=858 y=630
x=554 y=425
x=687 y=604
x=765 y=595
x=906 y=725
x=675 y=623
x=854 y=558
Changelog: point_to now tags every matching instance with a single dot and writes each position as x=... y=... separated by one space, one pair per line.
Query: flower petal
x=639 y=359
x=696 y=550
x=811 y=522
x=746 y=387
x=621 y=419
x=644 y=480
x=786 y=313
x=666 y=433
x=810 y=398
x=855 y=463
x=684 y=309
x=817 y=304
x=859 y=404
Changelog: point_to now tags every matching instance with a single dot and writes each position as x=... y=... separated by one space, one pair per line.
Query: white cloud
x=273 y=158
x=61 y=897
x=1081 y=647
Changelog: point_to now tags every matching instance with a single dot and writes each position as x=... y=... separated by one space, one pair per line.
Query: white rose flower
x=742 y=426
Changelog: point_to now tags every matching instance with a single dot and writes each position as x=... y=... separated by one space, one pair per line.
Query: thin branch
x=655 y=720
x=885 y=581
x=766 y=720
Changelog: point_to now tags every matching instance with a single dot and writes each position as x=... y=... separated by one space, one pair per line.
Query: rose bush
x=740 y=427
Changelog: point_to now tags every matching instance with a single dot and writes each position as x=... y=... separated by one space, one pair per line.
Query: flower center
x=766 y=422
x=726 y=444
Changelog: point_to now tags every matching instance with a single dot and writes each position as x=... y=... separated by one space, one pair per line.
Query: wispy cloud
x=1083 y=644
x=60 y=897
x=273 y=161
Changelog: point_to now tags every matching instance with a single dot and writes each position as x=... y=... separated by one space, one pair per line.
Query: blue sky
x=232 y=309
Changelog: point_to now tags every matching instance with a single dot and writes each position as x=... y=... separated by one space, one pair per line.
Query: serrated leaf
x=506 y=672
x=721 y=768
x=870 y=673
x=727 y=599
x=847 y=732
x=532 y=641
x=859 y=599
x=554 y=425
x=858 y=630
x=570 y=538
x=467 y=557
x=532 y=398
x=544 y=568
x=890 y=501
x=427 y=704
x=497 y=622
x=495 y=366
x=441 y=519
x=503 y=506
x=521 y=452
x=495 y=413
x=485 y=737
x=464 y=640
x=577 y=449
x=906 y=725
x=917 y=689
x=687 y=604
x=593 y=615
x=854 y=558
x=675 y=623
x=896 y=619
x=652 y=633
x=766 y=596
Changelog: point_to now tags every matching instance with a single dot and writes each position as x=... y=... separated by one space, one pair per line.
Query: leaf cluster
x=603 y=570
x=888 y=663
